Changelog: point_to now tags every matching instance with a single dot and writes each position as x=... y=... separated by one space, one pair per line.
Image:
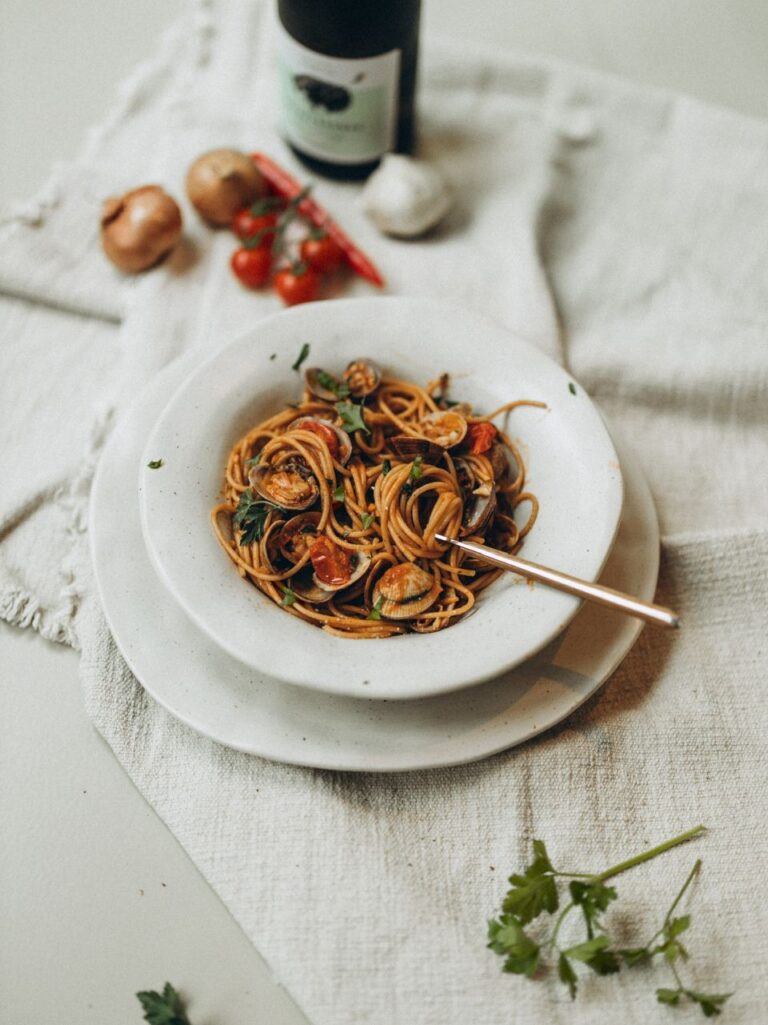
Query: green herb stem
x=654 y=852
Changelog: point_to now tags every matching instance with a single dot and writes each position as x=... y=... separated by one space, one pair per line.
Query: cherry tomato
x=324 y=254
x=331 y=564
x=325 y=432
x=252 y=266
x=295 y=286
x=246 y=225
x=480 y=438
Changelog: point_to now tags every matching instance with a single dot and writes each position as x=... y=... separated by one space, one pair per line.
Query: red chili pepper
x=284 y=184
x=480 y=437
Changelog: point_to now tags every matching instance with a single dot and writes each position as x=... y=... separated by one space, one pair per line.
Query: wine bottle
x=347 y=73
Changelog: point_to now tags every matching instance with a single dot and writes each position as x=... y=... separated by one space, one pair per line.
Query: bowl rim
x=371 y=680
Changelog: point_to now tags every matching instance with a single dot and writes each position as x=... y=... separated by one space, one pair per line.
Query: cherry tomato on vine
x=480 y=437
x=330 y=563
x=297 y=285
x=246 y=225
x=323 y=253
x=252 y=266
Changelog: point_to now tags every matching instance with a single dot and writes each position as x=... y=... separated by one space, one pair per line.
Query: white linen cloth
x=623 y=231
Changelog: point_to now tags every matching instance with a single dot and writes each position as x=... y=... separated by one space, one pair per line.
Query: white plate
x=221 y=698
x=572 y=468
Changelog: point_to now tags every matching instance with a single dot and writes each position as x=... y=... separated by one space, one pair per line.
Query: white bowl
x=571 y=465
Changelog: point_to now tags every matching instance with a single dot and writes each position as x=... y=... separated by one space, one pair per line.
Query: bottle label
x=342 y=111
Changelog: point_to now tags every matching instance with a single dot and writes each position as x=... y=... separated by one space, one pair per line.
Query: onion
x=140 y=228
x=222 y=182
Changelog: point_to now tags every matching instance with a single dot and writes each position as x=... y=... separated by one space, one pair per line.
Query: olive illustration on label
x=323 y=94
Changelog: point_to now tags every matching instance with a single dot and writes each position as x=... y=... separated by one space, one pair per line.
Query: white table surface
x=97 y=899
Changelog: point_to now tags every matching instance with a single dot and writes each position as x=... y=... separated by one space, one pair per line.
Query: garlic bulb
x=405 y=197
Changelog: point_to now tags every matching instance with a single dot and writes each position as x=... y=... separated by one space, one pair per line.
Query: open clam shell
x=409 y=448
x=444 y=427
x=361 y=562
x=317 y=425
x=290 y=485
x=322 y=384
x=296 y=535
x=405 y=591
x=363 y=377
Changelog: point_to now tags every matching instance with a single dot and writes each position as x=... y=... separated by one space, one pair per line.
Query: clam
x=363 y=377
x=291 y=484
x=409 y=448
x=479 y=499
x=341 y=449
x=304 y=587
x=444 y=427
x=296 y=535
x=405 y=591
x=479 y=508
x=322 y=384
x=499 y=461
x=359 y=565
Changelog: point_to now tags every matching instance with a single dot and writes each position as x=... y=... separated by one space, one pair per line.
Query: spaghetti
x=331 y=506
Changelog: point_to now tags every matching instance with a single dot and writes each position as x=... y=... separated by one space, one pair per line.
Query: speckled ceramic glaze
x=571 y=462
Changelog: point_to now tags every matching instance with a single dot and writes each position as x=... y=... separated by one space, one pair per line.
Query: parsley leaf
x=668 y=996
x=366 y=519
x=338 y=494
x=155 y=464
x=710 y=1003
x=250 y=516
x=507 y=937
x=163 y=1008
x=386 y=466
x=416 y=469
x=253 y=460
x=352 y=417
x=594 y=953
x=571 y=387
x=332 y=384
x=567 y=975
x=375 y=612
x=534 y=892
x=301 y=357
x=289 y=596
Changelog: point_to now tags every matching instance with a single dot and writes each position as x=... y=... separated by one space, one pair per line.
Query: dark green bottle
x=347 y=81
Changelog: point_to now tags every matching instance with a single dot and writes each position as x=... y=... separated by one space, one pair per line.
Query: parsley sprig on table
x=163 y=1008
x=536 y=891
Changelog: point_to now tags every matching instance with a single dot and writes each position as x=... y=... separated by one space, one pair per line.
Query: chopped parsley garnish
x=339 y=388
x=366 y=519
x=416 y=472
x=253 y=460
x=273 y=356
x=250 y=516
x=375 y=612
x=386 y=466
x=338 y=494
x=301 y=357
x=352 y=418
x=571 y=387
x=289 y=596
x=155 y=464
